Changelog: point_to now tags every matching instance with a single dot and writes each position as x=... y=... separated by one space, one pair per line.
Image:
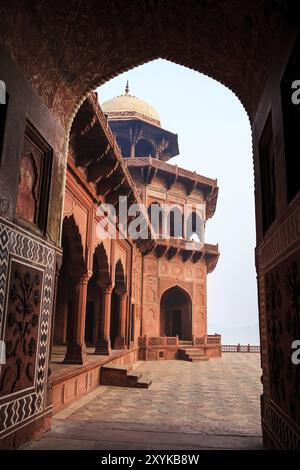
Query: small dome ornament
x=129 y=106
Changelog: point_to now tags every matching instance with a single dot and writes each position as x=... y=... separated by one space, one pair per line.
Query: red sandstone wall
x=278 y=268
x=159 y=275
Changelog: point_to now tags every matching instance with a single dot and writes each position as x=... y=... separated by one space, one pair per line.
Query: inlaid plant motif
x=292 y=285
x=21 y=330
x=273 y=304
x=292 y=317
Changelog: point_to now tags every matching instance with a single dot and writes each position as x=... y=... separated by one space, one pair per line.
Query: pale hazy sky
x=214 y=140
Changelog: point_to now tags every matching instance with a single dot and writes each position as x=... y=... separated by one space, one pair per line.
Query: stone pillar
x=97 y=317
x=120 y=340
x=64 y=319
x=132 y=150
x=76 y=351
x=103 y=343
x=54 y=302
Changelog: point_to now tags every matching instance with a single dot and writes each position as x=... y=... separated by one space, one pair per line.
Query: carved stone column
x=120 y=340
x=57 y=270
x=132 y=150
x=97 y=317
x=76 y=350
x=103 y=343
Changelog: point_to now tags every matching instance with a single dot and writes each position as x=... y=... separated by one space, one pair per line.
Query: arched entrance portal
x=94 y=320
x=176 y=314
x=68 y=308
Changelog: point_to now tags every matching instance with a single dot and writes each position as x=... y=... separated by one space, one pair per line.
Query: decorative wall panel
x=21 y=328
x=27 y=268
x=34 y=179
x=282 y=287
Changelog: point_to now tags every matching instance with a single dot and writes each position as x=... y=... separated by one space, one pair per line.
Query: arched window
x=156 y=213
x=144 y=148
x=124 y=145
x=175 y=223
x=195 y=227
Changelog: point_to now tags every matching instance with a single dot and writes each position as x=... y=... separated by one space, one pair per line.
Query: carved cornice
x=283 y=237
x=172 y=169
x=188 y=250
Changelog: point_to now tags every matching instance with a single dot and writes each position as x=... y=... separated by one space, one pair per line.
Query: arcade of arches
x=60 y=159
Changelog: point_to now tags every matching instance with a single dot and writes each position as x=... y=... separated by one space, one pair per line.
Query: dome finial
x=127 y=88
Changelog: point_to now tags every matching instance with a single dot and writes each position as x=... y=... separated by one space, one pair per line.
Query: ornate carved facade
x=173 y=274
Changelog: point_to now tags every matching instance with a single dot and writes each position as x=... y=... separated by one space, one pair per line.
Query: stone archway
x=100 y=279
x=211 y=37
x=176 y=314
x=72 y=269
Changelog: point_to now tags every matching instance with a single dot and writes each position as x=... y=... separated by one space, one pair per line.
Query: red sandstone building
x=146 y=295
x=63 y=290
x=172 y=284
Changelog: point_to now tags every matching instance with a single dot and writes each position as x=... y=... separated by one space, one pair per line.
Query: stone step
x=195 y=353
x=143 y=383
x=122 y=376
x=191 y=349
x=134 y=375
x=192 y=355
x=197 y=359
x=123 y=369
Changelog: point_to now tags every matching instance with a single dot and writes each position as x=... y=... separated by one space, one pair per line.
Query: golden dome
x=128 y=106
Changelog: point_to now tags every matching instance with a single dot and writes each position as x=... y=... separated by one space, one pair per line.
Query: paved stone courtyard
x=208 y=405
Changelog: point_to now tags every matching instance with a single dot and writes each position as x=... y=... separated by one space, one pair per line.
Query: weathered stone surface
x=188 y=406
x=221 y=39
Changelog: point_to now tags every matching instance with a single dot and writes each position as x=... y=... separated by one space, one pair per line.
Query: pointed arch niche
x=176 y=314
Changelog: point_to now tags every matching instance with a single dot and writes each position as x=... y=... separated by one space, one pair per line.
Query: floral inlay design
x=21 y=335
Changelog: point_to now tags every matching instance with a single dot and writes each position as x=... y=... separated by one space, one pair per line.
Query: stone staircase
x=191 y=354
x=123 y=376
x=185 y=343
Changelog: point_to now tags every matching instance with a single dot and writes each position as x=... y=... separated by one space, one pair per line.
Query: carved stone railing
x=163 y=341
x=240 y=348
x=197 y=341
x=214 y=339
x=154 y=162
x=158 y=341
x=184 y=243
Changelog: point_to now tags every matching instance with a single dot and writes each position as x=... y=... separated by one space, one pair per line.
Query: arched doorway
x=102 y=312
x=99 y=278
x=72 y=269
x=176 y=314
